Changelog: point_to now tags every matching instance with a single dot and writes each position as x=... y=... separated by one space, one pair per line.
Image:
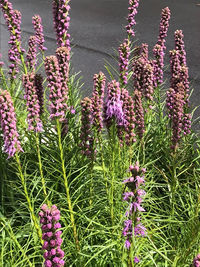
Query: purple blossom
x=133 y=196
x=57 y=97
x=40 y=92
x=32 y=103
x=164 y=26
x=113 y=108
x=8 y=124
x=32 y=52
x=61 y=22
x=133 y=10
x=180 y=46
x=37 y=24
x=196 y=261
x=124 y=53
x=13 y=21
x=49 y=218
x=144 y=51
x=136 y=260
x=97 y=100
x=158 y=64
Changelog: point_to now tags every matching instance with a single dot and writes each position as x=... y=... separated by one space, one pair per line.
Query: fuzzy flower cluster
x=32 y=103
x=164 y=26
x=63 y=56
x=113 y=108
x=133 y=10
x=143 y=78
x=53 y=254
x=97 y=100
x=61 y=22
x=129 y=115
x=134 y=197
x=139 y=113
x=57 y=96
x=13 y=21
x=8 y=124
x=158 y=64
x=180 y=46
x=32 y=52
x=86 y=137
x=124 y=53
x=37 y=24
x=196 y=261
x=40 y=92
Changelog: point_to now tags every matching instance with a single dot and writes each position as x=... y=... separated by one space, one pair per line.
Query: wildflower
x=158 y=64
x=49 y=218
x=113 y=106
x=8 y=124
x=40 y=92
x=132 y=224
x=57 y=96
x=180 y=46
x=139 y=113
x=124 y=53
x=37 y=24
x=144 y=52
x=97 y=100
x=133 y=6
x=32 y=52
x=61 y=22
x=86 y=137
x=63 y=57
x=32 y=102
x=164 y=26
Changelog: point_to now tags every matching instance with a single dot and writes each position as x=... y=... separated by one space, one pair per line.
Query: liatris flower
x=61 y=22
x=37 y=24
x=32 y=103
x=196 y=261
x=57 y=97
x=1 y=62
x=134 y=195
x=170 y=101
x=53 y=254
x=8 y=124
x=177 y=119
x=158 y=64
x=148 y=77
x=97 y=100
x=113 y=106
x=63 y=57
x=40 y=92
x=180 y=46
x=175 y=68
x=164 y=26
x=138 y=74
x=86 y=128
x=129 y=116
x=139 y=113
x=124 y=53
x=133 y=6
x=144 y=51
x=32 y=52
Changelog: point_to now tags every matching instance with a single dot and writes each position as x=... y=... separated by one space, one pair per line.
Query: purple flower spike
x=32 y=52
x=124 y=53
x=57 y=97
x=132 y=224
x=86 y=136
x=37 y=24
x=8 y=124
x=164 y=26
x=133 y=10
x=61 y=22
x=196 y=261
x=158 y=64
x=144 y=51
x=32 y=102
x=97 y=100
x=49 y=218
x=40 y=92
x=180 y=46
x=113 y=108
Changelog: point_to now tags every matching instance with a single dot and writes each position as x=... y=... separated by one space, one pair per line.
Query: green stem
x=33 y=217
x=103 y=163
x=41 y=169
x=67 y=186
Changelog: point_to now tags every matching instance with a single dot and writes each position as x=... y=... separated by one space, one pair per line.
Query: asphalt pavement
x=97 y=27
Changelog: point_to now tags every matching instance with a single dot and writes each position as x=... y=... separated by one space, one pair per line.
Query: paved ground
x=97 y=28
